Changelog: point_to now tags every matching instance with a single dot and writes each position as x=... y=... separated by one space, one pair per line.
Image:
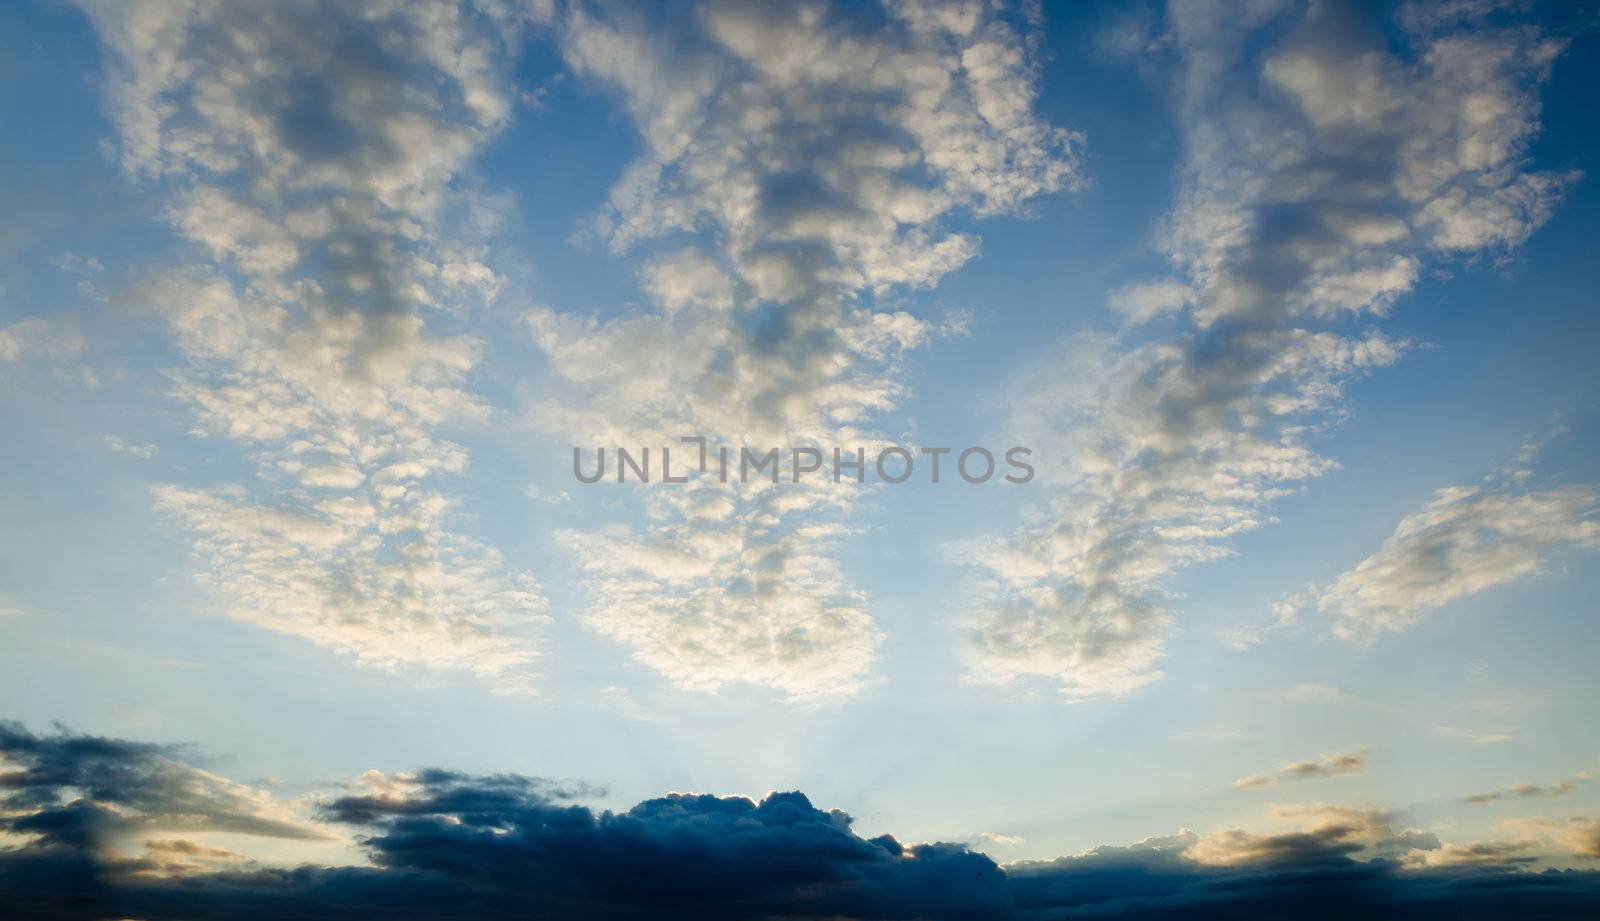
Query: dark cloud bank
x=445 y=845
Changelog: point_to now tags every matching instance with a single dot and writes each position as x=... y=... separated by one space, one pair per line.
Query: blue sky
x=453 y=252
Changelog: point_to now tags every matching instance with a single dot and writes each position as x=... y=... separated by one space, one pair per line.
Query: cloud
x=1478 y=736
x=1326 y=163
x=1328 y=862
x=1519 y=790
x=1144 y=301
x=311 y=155
x=1466 y=540
x=180 y=857
x=1579 y=836
x=38 y=338
x=795 y=158
x=312 y=572
x=1490 y=854
x=1321 y=833
x=443 y=844
x=1328 y=766
x=54 y=343
x=93 y=792
x=448 y=845
x=138 y=449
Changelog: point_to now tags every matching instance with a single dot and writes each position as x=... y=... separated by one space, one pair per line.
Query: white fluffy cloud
x=309 y=151
x=1322 y=169
x=800 y=155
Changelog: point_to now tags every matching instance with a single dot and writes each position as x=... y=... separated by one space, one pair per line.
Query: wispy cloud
x=1326 y=766
x=139 y=449
x=1525 y=790
x=1466 y=540
x=38 y=338
x=1478 y=736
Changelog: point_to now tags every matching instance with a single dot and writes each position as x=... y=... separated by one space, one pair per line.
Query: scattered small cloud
x=1522 y=790
x=548 y=496
x=1477 y=736
x=134 y=448
x=75 y=264
x=1326 y=766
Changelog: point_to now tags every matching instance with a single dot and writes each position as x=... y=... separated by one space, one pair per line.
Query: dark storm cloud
x=685 y=855
x=446 y=845
x=80 y=791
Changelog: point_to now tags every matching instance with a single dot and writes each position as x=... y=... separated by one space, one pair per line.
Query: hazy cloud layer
x=1324 y=167
x=309 y=152
x=796 y=157
x=447 y=845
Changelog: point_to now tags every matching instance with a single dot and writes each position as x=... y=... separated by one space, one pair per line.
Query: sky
x=305 y=308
